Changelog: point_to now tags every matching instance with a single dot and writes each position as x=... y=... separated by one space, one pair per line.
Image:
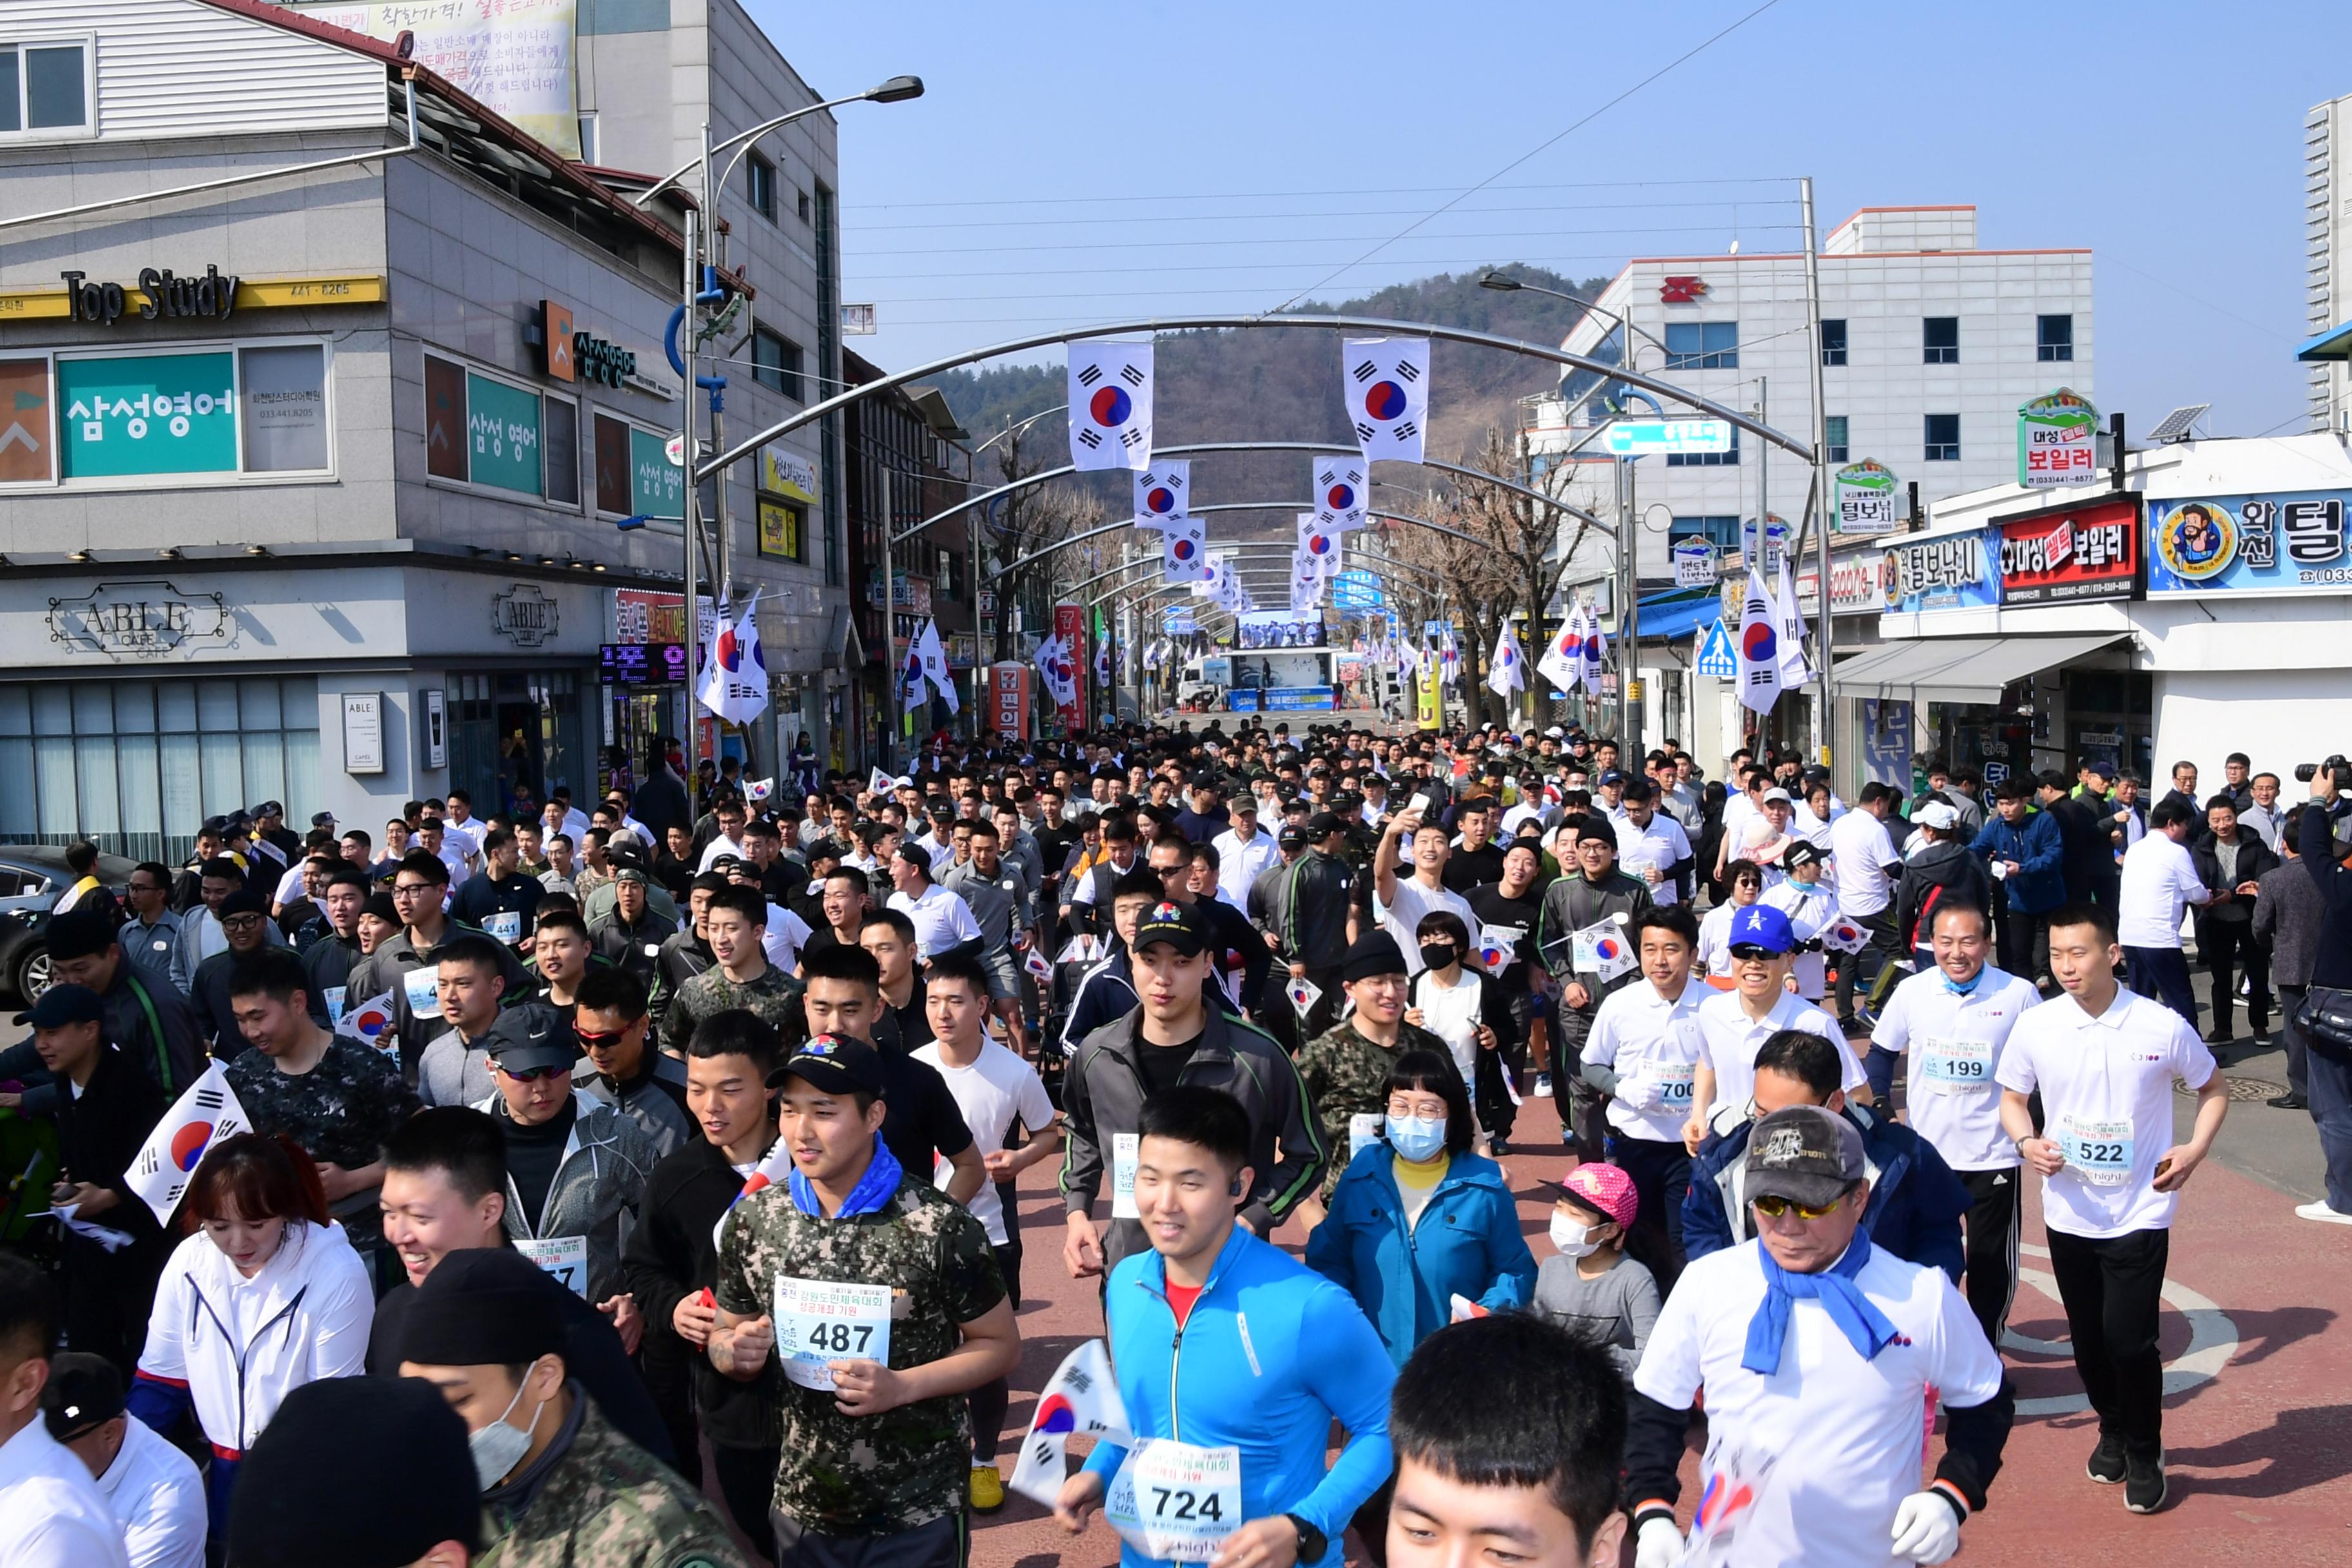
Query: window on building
x=1833 y=342
x=1943 y=438
x=783 y=529
x=588 y=148
x=803 y=207
x=760 y=185
x=137 y=764
x=776 y=363
x=1723 y=532
x=1834 y=427
x=1940 y=338
x=1729 y=459
x=45 y=88
x=2053 y=338
x=1702 y=345
x=559 y=433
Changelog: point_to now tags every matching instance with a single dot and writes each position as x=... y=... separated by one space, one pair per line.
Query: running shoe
x=1543 y=1086
x=987 y=1488
x=2107 y=1465
x=2144 y=1487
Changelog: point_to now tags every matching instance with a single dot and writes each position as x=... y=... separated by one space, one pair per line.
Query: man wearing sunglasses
x=613 y=1023
x=1815 y=1348
x=1733 y=1025
x=576 y=1167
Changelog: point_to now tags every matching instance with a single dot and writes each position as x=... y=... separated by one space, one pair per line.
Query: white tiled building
x=2328 y=264
x=1929 y=347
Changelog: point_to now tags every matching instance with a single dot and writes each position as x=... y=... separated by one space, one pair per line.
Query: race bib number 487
x=824 y=1320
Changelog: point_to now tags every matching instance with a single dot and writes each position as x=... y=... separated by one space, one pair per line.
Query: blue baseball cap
x=1760 y=925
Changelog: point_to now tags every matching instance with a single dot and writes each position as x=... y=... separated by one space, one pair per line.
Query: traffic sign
x=1643 y=437
x=1357 y=590
x=1715 y=659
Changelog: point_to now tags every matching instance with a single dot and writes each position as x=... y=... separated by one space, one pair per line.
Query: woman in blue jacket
x=1418 y=1219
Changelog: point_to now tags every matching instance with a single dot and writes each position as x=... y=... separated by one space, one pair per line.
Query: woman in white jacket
x=264 y=1297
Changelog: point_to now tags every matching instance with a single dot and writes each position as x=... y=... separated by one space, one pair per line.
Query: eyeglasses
x=531 y=1075
x=590 y=1038
x=1774 y=1206
x=1749 y=950
x=410 y=890
x=241 y=923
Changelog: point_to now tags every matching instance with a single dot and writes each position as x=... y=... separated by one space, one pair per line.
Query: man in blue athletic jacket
x=1233 y=1359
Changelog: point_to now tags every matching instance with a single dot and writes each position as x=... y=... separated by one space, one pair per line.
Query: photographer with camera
x=2326 y=1016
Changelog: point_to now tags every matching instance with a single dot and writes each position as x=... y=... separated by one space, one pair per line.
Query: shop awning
x=2336 y=342
x=1959 y=669
x=1668 y=616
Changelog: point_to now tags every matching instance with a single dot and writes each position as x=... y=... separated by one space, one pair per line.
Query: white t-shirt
x=1451 y=1012
x=786 y=934
x=1860 y=849
x=996 y=1090
x=1729 y=1040
x=290 y=886
x=1403 y=919
x=56 y=1518
x=1811 y=911
x=2159 y=881
x=466 y=835
x=1650 y=1042
x=2106 y=1100
x=1955 y=1044
x=941 y=919
x=158 y=1499
x=722 y=845
x=1238 y=864
x=1714 y=940
x=1830 y=1444
x=1661 y=845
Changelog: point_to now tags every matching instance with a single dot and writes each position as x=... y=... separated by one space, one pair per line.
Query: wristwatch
x=1312 y=1543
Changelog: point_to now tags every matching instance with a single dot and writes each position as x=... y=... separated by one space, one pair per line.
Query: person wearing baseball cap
x=1583 y=934
x=876 y=1455
x=154 y=1489
x=1733 y=1024
x=1937 y=866
x=1244 y=849
x=1811 y=903
x=1346 y=1068
x=1815 y=1349
x=1589 y=1287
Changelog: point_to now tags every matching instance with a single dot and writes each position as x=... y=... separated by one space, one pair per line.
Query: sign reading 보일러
x=2057 y=441
x=2282 y=541
x=2073 y=556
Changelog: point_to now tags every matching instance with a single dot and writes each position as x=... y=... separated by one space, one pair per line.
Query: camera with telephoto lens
x=2338 y=772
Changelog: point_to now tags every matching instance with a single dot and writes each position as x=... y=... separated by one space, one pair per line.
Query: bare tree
x=1028 y=520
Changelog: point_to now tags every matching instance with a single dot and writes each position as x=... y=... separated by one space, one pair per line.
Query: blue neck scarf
x=1863 y=1325
x=1956 y=989
x=872 y=1191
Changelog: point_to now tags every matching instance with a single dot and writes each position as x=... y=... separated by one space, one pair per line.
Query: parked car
x=33 y=876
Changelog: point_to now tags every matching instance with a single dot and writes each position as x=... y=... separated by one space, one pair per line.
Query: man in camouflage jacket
x=1346 y=1068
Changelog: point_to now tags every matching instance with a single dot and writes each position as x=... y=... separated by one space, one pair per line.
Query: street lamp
x=1502 y=284
x=898 y=90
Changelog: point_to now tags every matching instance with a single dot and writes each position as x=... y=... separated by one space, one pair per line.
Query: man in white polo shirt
x=942 y=921
x=1643 y=1053
x=1733 y=1024
x=1651 y=846
x=1953 y=1022
x=1244 y=850
x=1815 y=1350
x=1864 y=865
x=1403 y=900
x=2160 y=883
x=2105 y=1060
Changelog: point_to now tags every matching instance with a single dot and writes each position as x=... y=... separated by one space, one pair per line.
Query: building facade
x=313 y=485
x=1930 y=345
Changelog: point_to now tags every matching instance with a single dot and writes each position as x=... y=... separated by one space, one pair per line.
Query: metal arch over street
x=1321 y=447
x=1268 y=552
x=1012 y=566
x=1368 y=324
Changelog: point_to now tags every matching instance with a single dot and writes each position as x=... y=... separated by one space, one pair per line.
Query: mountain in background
x=1283 y=385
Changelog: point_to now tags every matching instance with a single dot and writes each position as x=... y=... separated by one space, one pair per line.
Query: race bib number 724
x=1176 y=1502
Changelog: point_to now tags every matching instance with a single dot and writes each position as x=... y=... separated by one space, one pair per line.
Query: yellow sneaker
x=987 y=1489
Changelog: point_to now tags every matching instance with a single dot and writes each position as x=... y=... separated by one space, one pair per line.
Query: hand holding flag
x=207 y=1113
x=1081 y=1400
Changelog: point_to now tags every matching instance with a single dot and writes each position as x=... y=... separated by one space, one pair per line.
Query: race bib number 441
x=823 y=1321
x=1176 y=1502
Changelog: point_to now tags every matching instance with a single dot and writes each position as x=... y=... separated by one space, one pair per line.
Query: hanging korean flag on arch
x=1184 y=551
x=1386 y=381
x=1110 y=405
x=1163 y=490
x=1341 y=498
x=1317 y=542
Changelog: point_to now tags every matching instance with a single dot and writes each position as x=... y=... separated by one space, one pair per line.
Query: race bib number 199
x=822 y=1321
x=1176 y=1502
x=1955 y=1067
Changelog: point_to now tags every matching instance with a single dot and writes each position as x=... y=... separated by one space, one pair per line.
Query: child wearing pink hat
x=1591 y=1289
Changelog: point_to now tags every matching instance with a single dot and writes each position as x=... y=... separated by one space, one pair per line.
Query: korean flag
x=1110 y=405
x=1340 y=498
x=1386 y=383
x=1184 y=551
x=1162 y=491
x=1317 y=543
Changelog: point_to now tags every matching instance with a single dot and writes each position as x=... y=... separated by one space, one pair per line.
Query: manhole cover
x=2241 y=1089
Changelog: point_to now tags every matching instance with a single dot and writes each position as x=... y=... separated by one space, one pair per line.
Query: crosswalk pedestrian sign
x=1715 y=659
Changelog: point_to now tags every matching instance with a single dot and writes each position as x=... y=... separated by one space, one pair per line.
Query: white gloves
x=1926 y=1529
x=1639 y=1093
x=1660 y=1545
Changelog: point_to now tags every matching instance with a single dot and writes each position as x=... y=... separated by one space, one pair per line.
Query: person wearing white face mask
x=558 y=1483
x=1592 y=1289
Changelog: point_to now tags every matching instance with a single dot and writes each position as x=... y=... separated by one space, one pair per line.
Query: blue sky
x=1074 y=164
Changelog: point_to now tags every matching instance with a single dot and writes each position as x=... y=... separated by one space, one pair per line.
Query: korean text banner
x=1955 y=572
x=2069 y=556
x=514 y=56
x=2279 y=542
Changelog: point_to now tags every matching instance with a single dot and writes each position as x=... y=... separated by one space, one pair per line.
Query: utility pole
x=690 y=515
x=890 y=666
x=1826 y=723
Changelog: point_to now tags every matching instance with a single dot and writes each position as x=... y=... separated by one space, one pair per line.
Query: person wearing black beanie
x=412 y=1501
x=557 y=1483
